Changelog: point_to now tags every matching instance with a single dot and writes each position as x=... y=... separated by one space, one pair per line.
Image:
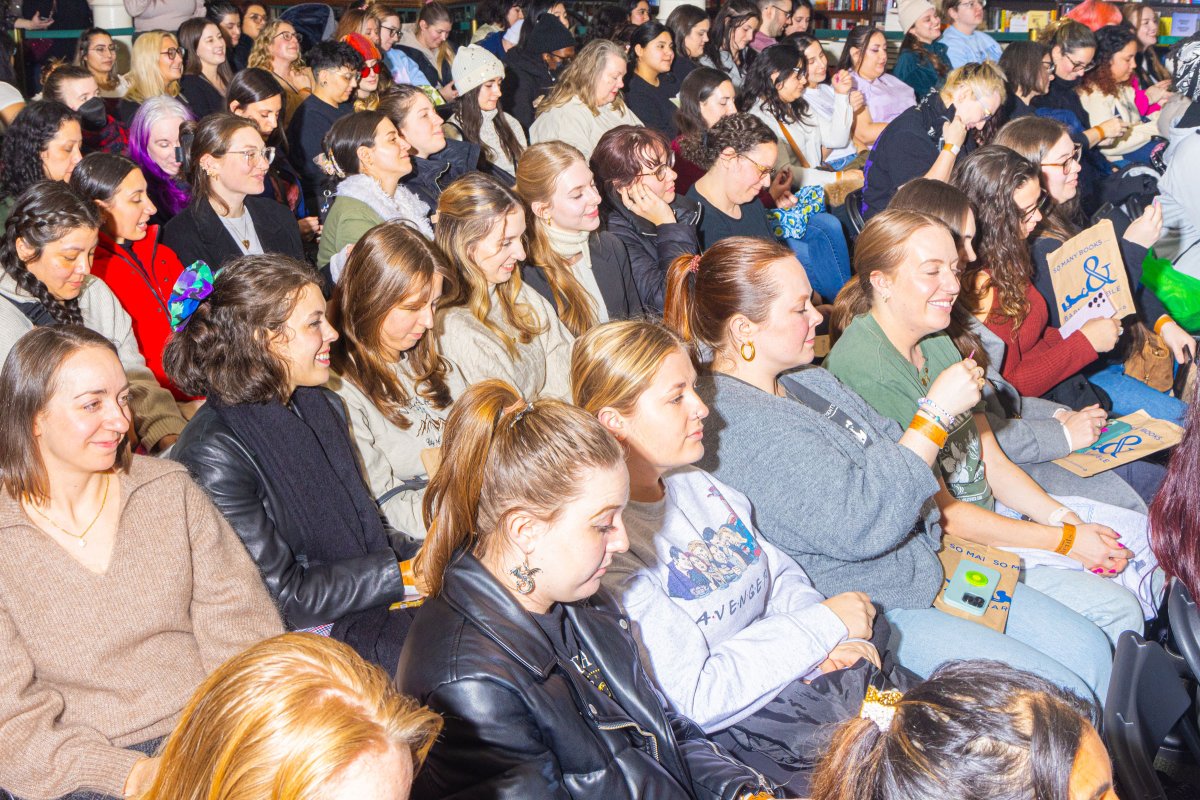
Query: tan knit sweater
x=91 y=664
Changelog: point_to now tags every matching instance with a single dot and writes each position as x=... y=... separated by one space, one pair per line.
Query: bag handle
x=792 y=143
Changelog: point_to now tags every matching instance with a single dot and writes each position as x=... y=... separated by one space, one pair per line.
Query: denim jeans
x=1129 y=394
x=824 y=254
x=1042 y=636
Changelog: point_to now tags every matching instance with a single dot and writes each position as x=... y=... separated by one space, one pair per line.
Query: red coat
x=143 y=282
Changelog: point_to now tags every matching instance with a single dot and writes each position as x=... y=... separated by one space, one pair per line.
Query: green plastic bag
x=1179 y=293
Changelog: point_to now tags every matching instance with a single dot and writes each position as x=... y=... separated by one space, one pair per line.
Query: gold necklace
x=80 y=537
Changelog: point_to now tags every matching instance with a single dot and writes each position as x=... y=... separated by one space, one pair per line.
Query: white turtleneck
x=569 y=244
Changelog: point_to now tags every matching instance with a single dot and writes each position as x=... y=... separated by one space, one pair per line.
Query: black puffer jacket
x=522 y=723
x=652 y=248
x=431 y=175
x=526 y=78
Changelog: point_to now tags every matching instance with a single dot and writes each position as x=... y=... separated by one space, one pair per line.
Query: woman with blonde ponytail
x=584 y=272
x=532 y=666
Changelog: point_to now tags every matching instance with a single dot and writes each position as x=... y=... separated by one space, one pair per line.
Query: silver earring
x=524 y=575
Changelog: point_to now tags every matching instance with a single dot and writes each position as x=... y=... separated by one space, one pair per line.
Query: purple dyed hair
x=169 y=194
x=1175 y=514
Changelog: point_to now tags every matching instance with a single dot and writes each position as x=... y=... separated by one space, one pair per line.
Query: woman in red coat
x=139 y=269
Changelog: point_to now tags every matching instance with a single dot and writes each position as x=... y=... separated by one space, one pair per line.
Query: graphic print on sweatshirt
x=714 y=562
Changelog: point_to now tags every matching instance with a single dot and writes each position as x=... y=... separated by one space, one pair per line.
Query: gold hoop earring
x=524 y=575
x=742 y=351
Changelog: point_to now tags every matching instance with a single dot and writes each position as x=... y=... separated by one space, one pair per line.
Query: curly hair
x=44 y=213
x=989 y=177
x=760 y=87
x=25 y=141
x=740 y=132
x=1110 y=40
x=260 y=52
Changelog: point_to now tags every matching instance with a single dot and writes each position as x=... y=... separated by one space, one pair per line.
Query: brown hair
x=223 y=350
x=56 y=74
x=730 y=278
x=624 y=153
x=190 y=34
x=612 y=364
x=501 y=455
x=538 y=172
x=260 y=51
x=211 y=136
x=389 y=266
x=1032 y=137
x=578 y=80
x=468 y=210
x=395 y=103
x=27 y=383
x=739 y=132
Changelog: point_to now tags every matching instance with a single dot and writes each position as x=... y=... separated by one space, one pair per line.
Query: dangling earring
x=742 y=351
x=524 y=575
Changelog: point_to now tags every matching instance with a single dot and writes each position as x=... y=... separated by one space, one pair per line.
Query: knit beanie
x=363 y=45
x=911 y=11
x=1183 y=62
x=549 y=35
x=474 y=66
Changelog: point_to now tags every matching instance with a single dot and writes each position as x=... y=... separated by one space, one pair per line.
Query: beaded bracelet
x=931 y=430
x=1067 y=541
x=937 y=413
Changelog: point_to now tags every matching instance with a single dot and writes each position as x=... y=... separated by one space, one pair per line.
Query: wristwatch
x=953 y=148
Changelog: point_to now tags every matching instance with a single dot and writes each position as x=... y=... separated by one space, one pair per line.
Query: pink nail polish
x=1116 y=535
x=1097 y=571
x=1112 y=572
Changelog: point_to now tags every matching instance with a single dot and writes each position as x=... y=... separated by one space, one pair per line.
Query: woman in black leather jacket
x=531 y=665
x=272 y=449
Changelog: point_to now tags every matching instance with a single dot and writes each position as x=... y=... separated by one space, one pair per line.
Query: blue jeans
x=840 y=163
x=1129 y=394
x=1043 y=636
x=824 y=254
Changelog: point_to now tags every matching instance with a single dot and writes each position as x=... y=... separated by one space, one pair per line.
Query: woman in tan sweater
x=122 y=585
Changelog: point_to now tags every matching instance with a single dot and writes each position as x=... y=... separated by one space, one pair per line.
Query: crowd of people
x=443 y=355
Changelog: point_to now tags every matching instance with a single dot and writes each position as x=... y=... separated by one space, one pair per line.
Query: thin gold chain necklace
x=80 y=537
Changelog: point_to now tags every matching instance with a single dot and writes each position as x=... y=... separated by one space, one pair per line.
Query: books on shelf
x=1010 y=21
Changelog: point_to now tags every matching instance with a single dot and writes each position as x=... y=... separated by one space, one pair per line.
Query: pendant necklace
x=245 y=233
x=79 y=537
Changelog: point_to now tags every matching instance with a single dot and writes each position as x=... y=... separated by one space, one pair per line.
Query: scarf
x=569 y=244
x=489 y=137
x=402 y=205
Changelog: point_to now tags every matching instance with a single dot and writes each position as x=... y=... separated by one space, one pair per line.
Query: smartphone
x=971 y=587
x=1115 y=428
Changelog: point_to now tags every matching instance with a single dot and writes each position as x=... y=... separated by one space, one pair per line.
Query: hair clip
x=694 y=264
x=880 y=707
x=520 y=414
x=328 y=164
x=191 y=288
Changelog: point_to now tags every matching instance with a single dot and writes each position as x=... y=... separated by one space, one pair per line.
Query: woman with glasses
x=253 y=19
x=964 y=42
x=1109 y=89
x=865 y=56
x=923 y=60
x=98 y=52
x=927 y=140
x=156 y=65
x=368 y=157
x=277 y=50
x=728 y=47
x=1072 y=50
x=227 y=218
x=1046 y=144
x=335 y=69
x=206 y=74
x=651 y=83
x=1028 y=69
x=371 y=78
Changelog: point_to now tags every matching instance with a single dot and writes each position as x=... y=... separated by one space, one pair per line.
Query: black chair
x=1147 y=700
x=854 y=213
x=1185 y=626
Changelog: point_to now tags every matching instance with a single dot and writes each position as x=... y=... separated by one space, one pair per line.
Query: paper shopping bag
x=1088 y=263
x=1146 y=435
x=955 y=551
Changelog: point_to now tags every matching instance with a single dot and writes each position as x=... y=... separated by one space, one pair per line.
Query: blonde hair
x=260 y=52
x=612 y=364
x=468 y=210
x=283 y=720
x=579 y=78
x=145 y=78
x=982 y=78
x=501 y=455
x=538 y=171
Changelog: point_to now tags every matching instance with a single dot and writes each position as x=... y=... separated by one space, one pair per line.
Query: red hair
x=1096 y=14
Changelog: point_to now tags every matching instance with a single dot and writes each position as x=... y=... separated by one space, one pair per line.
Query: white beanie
x=910 y=12
x=474 y=66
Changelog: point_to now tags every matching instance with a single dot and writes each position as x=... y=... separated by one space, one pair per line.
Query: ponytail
x=679 y=305
x=852 y=301
x=500 y=455
x=850 y=768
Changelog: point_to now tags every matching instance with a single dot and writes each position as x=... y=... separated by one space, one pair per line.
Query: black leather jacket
x=521 y=723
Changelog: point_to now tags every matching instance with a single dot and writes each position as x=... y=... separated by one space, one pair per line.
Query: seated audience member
x=750 y=304
x=586 y=100
x=130 y=257
x=256 y=95
x=606 y=21
x=368 y=158
x=534 y=66
x=371 y=79
x=155 y=146
x=706 y=96
x=335 y=67
x=689 y=27
x=437 y=161
x=492 y=19
x=155 y=67
x=892 y=349
x=1151 y=81
x=228 y=17
x=530 y=663
x=160 y=589
x=356 y=20
x=272 y=450
x=1174 y=516
x=46 y=257
x=396 y=387
x=1046 y=144
x=651 y=83
x=886 y=96
x=802 y=19
x=277 y=50
x=775 y=19
x=728 y=47
x=638 y=12
x=478 y=118
x=43 y=144
x=254 y=19
x=426 y=42
x=923 y=60
x=206 y=73
x=635 y=169
x=492 y=325
x=825 y=103
x=228 y=217
x=693 y=547
x=1107 y=88
x=1072 y=52
x=926 y=141
x=1180 y=191
x=1028 y=69
x=97 y=52
x=298 y=716
x=962 y=38
x=583 y=271
x=402 y=68
x=955 y=733
x=76 y=88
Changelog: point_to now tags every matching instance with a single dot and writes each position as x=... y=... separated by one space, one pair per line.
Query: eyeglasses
x=390 y=29
x=252 y=155
x=786 y=13
x=973 y=4
x=365 y=72
x=287 y=36
x=1047 y=65
x=762 y=171
x=660 y=171
x=106 y=48
x=799 y=73
x=1074 y=158
x=345 y=75
x=1039 y=208
x=172 y=52
x=1077 y=67
x=257 y=19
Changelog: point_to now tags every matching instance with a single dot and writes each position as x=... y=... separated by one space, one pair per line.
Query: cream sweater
x=1102 y=106
x=574 y=123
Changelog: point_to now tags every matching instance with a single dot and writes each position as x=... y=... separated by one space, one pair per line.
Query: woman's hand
x=857 y=101
x=310 y=228
x=647 y=205
x=141 y=776
x=38 y=23
x=1179 y=341
x=958 y=389
x=852 y=174
x=855 y=611
x=1098 y=549
x=847 y=654
x=842 y=82
x=1102 y=333
x=1146 y=229
x=954 y=132
x=781 y=189
x=1158 y=92
x=448 y=92
x=1113 y=128
x=1083 y=426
